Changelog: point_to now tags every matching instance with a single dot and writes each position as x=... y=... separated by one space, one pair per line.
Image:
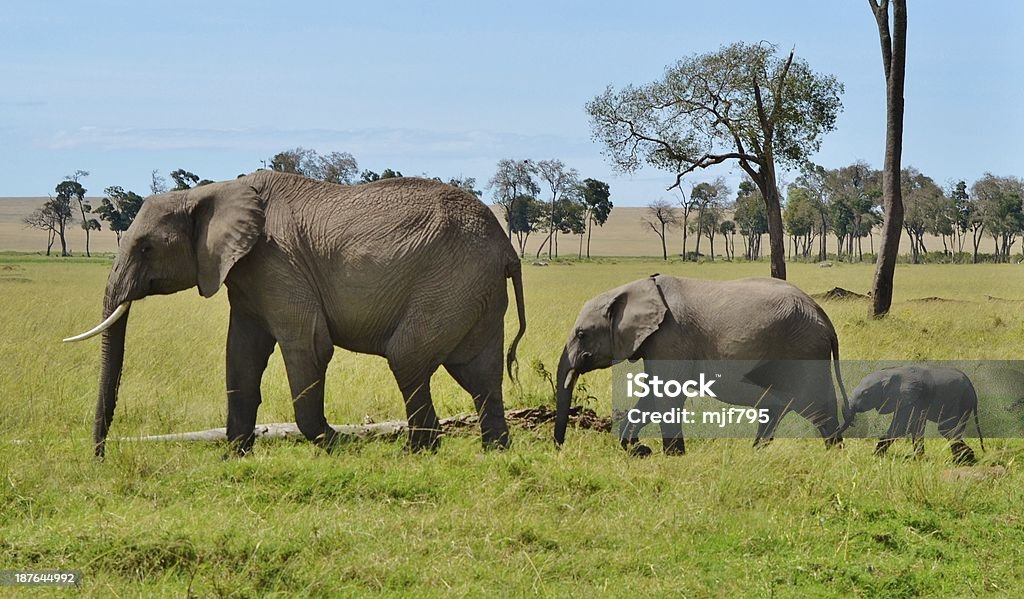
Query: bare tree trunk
x=894 y=62
x=590 y=229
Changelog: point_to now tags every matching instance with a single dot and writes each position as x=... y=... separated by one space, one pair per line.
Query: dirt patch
x=993 y=298
x=838 y=293
x=938 y=300
x=974 y=474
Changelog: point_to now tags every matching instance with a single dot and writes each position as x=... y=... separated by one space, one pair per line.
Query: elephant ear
x=227 y=221
x=890 y=394
x=635 y=313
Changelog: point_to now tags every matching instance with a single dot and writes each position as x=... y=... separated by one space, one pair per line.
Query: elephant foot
x=423 y=441
x=639 y=451
x=836 y=442
x=963 y=454
x=328 y=440
x=635 y=448
x=496 y=439
x=882 y=447
x=499 y=444
x=674 y=447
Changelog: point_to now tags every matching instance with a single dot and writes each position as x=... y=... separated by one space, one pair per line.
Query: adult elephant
x=409 y=269
x=786 y=335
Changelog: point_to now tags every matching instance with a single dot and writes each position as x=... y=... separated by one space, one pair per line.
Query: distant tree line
x=118 y=207
x=844 y=204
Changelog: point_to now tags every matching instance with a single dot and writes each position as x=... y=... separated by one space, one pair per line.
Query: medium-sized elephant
x=914 y=395
x=661 y=318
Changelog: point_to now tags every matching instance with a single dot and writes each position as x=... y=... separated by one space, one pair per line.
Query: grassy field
x=724 y=520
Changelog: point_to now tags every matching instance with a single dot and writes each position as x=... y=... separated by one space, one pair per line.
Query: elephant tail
x=514 y=271
x=847 y=413
x=977 y=425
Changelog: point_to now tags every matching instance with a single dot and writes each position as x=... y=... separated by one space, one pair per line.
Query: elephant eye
x=579 y=334
x=145 y=249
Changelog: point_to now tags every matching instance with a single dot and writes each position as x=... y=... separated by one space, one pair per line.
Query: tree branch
x=881 y=12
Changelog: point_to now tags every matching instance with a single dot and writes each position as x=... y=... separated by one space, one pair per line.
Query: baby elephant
x=915 y=395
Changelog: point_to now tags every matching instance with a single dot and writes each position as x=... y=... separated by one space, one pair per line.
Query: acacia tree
x=814 y=179
x=119 y=209
x=559 y=181
x=740 y=103
x=595 y=195
x=512 y=180
x=335 y=167
x=527 y=214
x=894 y=64
x=705 y=196
x=728 y=230
x=53 y=216
x=661 y=217
x=751 y=219
x=71 y=189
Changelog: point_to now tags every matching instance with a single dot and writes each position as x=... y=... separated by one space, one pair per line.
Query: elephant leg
x=306 y=359
x=412 y=367
x=672 y=432
x=918 y=422
x=424 y=425
x=481 y=377
x=899 y=427
x=766 y=430
x=248 y=349
x=629 y=433
x=952 y=429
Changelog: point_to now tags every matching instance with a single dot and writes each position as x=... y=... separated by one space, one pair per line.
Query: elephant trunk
x=565 y=381
x=848 y=414
x=111 y=362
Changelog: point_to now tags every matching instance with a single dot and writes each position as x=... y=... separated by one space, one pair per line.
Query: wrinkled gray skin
x=671 y=318
x=409 y=269
x=914 y=395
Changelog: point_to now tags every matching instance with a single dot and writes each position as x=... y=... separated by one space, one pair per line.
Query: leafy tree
x=706 y=225
x=728 y=230
x=751 y=218
x=184 y=179
x=467 y=184
x=559 y=180
x=595 y=195
x=119 y=209
x=999 y=201
x=661 y=217
x=814 y=180
x=525 y=217
x=706 y=196
x=962 y=213
x=741 y=103
x=851 y=192
x=335 y=167
x=71 y=187
x=894 y=64
x=513 y=179
x=801 y=219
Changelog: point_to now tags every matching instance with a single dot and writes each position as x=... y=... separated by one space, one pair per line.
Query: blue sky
x=448 y=89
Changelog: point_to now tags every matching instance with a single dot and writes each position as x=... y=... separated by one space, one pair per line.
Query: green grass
x=790 y=520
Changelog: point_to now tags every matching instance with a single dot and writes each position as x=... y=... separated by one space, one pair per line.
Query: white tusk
x=106 y=324
x=568 y=378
